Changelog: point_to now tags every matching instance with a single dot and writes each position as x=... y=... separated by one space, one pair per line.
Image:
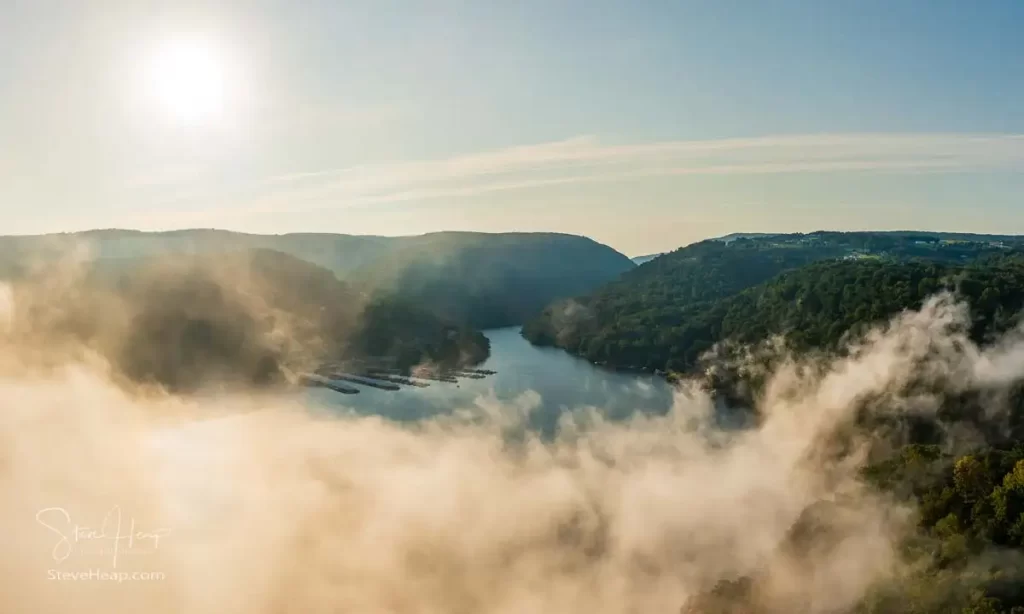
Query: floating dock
x=331 y=375
x=469 y=374
x=437 y=377
x=394 y=379
x=318 y=381
x=365 y=381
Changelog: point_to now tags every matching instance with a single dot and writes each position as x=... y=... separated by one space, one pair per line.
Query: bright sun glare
x=187 y=78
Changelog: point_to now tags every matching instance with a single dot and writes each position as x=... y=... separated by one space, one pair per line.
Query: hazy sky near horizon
x=645 y=125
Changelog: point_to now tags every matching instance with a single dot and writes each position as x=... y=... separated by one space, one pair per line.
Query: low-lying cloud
x=260 y=505
x=180 y=322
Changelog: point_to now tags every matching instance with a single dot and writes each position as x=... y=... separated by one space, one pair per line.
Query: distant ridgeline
x=479 y=280
x=815 y=287
x=490 y=280
x=643 y=259
x=205 y=295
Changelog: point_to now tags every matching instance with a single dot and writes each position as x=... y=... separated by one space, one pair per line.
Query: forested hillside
x=490 y=281
x=813 y=307
x=959 y=466
x=476 y=279
x=246 y=317
x=667 y=312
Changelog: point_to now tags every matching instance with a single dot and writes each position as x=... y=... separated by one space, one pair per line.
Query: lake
x=546 y=380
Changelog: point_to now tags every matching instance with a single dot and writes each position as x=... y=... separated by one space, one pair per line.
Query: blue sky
x=646 y=125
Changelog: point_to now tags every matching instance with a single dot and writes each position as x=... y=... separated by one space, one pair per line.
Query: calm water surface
x=547 y=380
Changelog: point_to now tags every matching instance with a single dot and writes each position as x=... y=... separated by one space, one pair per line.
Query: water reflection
x=547 y=381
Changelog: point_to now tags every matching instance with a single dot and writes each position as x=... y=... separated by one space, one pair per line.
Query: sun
x=188 y=79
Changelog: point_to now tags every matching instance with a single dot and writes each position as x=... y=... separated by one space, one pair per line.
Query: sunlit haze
x=643 y=126
x=187 y=79
x=512 y=306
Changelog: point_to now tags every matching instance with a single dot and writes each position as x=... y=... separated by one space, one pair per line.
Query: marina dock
x=373 y=383
x=340 y=377
x=318 y=381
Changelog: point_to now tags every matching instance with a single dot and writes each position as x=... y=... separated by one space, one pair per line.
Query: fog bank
x=252 y=503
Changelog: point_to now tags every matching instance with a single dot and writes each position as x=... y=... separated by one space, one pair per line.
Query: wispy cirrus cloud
x=588 y=160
